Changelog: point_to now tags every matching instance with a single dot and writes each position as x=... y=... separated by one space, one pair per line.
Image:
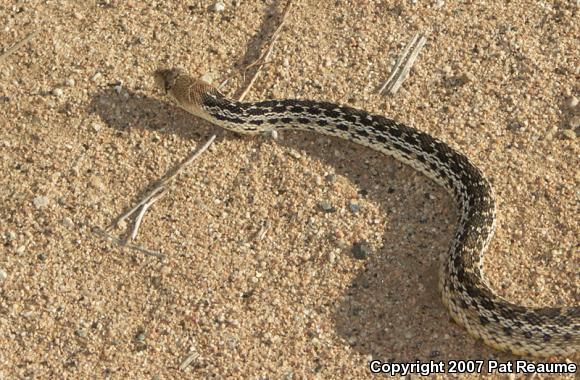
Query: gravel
x=519 y=60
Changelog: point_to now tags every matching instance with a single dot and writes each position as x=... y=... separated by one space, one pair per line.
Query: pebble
x=354 y=207
x=331 y=178
x=463 y=79
x=10 y=235
x=361 y=250
x=96 y=77
x=3 y=275
x=326 y=206
x=96 y=127
x=207 y=77
x=572 y=102
x=58 y=92
x=118 y=87
x=69 y=82
x=575 y=122
x=67 y=222
x=218 y=6
x=569 y=134
x=551 y=133
x=40 y=201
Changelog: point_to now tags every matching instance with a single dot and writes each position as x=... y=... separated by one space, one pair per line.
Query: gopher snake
x=466 y=294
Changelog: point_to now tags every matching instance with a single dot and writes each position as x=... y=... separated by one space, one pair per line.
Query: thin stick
x=188 y=361
x=408 y=57
x=144 y=209
x=16 y=46
x=399 y=62
x=122 y=218
x=263 y=230
x=407 y=68
x=121 y=243
x=264 y=57
x=188 y=161
x=161 y=184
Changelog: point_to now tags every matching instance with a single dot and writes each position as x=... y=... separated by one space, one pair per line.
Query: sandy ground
x=83 y=134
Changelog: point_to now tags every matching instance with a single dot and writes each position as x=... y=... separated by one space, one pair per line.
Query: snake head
x=165 y=78
x=189 y=93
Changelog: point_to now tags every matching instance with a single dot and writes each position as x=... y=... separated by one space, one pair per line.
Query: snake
x=465 y=291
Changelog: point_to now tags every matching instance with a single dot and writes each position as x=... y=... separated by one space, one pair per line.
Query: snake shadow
x=392 y=309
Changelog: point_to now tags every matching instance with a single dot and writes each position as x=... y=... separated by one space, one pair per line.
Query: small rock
x=207 y=77
x=40 y=201
x=20 y=250
x=294 y=154
x=140 y=337
x=96 y=127
x=3 y=275
x=515 y=126
x=69 y=82
x=97 y=184
x=354 y=207
x=361 y=250
x=551 y=133
x=331 y=178
x=463 y=79
x=118 y=87
x=569 y=134
x=67 y=222
x=58 y=92
x=10 y=236
x=326 y=206
x=218 y=6
x=572 y=102
x=96 y=77
x=574 y=122
x=81 y=333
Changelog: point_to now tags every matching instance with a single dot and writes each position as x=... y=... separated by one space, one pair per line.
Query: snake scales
x=539 y=332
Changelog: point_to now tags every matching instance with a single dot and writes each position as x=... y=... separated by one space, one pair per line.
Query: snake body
x=539 y=332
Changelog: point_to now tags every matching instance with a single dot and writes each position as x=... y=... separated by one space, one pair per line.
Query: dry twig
x=262 y=59
x=151 y=198
x=266 y=225
x=190 y=359
x=408 y=57
x=122 y=243
x=16 y=46
x=122 y=218
x=144 y=209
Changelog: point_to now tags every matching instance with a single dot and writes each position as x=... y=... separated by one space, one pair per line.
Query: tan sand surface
x=84 y=134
